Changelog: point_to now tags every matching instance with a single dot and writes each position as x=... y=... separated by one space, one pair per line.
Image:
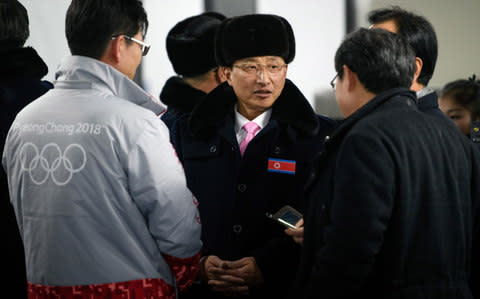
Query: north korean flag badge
x=281 y=166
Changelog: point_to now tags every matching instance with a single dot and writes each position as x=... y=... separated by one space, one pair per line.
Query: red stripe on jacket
x=151 y=288
x=185 y=269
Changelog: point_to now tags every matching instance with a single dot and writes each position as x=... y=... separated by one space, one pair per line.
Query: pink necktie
x=251 y=128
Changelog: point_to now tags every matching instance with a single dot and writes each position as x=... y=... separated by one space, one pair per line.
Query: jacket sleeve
x=475 y=267
x=360 y=211
x=158 y=186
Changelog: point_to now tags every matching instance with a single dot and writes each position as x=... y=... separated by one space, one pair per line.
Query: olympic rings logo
x=51 y=162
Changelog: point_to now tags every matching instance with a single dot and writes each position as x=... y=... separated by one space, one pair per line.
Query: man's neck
x=205 y=83
x=417 y=86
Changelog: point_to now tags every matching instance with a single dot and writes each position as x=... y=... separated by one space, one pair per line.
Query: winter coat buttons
x=237 y=228
x=242 y=187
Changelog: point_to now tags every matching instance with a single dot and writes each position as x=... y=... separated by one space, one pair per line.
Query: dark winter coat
x=236 y=193
x=391 y=207
x=180 y=98
x=20 y=83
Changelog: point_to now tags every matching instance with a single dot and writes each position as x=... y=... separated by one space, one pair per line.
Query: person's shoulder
x=326 y=121
x=179 y=125
x=129 y=109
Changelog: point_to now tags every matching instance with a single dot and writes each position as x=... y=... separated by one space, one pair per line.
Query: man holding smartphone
x=247 y=150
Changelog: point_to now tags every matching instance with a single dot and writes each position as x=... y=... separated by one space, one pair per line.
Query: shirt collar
x=261 y=120
x=423 y=92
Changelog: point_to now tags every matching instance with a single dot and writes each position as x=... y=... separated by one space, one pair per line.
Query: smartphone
x=287 y=216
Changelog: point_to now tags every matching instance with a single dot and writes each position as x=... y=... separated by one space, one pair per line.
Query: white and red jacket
x=99 y=194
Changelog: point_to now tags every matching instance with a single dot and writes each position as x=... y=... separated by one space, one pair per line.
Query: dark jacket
x=429 y=104
x=390 y=210
x=180 y=98
x=235 y=193
x=20 y=83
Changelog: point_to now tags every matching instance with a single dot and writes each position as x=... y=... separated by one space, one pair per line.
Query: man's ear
x=225 y=73
x=221 y=77
x=350 y=78
x=418 y=68
x=112 y=53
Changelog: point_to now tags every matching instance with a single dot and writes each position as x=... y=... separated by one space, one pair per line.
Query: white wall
x=47 y=31
x=47 y=35
x=162 y=16
x=319 y=27
x=456 y=24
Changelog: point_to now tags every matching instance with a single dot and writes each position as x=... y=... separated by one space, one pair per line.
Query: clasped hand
x=232 y=278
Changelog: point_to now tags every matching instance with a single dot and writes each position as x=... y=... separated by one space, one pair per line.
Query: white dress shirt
x=261 y=120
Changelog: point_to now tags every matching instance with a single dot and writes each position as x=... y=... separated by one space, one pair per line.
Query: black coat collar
x=291 y=108
x=373 y=104
x=428 y=101
x=178 y=94
x=21 y=62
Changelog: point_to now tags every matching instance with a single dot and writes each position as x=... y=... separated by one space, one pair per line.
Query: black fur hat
x=190 y=44
x=254 y=35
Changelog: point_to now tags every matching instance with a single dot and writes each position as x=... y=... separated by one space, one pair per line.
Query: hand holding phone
x=287 y=216
x=296 y=233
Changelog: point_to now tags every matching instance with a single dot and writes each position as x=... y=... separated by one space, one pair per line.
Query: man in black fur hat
x=246 y=253
x=190 y=48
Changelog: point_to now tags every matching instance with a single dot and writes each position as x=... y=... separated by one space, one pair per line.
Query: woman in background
x=460 y=101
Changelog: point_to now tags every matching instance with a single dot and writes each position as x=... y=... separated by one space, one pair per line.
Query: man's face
x=346 y=103
x=257 y=82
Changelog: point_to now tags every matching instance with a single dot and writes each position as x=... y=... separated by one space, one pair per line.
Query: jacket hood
x=101 y=76
x=178 y=94
x=21 y=62
x=291 y=108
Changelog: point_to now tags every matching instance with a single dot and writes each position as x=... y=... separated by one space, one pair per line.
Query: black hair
x=382 y=60
x=466 y=93
x=90 y=24
x=13 y=24
x=417 y=31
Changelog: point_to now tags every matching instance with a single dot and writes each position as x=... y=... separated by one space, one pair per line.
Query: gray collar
x=84 y=72
x=424 y=91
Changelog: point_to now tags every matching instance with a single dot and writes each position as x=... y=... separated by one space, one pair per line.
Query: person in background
x=394 y=202
x=421 y=36
x=99 y=195
x=460 y=101
x=20 y=83
x=190 y=48
x=247 y=150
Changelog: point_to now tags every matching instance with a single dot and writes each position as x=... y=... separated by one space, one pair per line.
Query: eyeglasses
x=144 y=46
x=253 y=68
x=334 y=81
